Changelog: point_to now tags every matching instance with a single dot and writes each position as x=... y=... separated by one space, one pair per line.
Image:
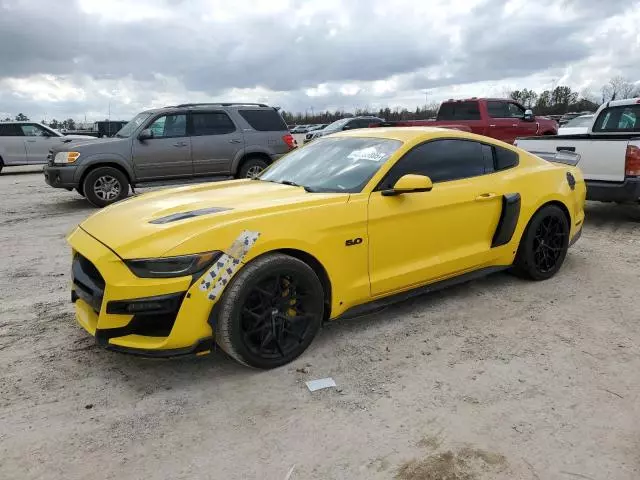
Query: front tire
x=544 y=244
x=270 y=311
x=104 y=186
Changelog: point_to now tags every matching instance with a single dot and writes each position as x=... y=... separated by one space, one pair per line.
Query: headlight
x=170 y=267
x=66 y=157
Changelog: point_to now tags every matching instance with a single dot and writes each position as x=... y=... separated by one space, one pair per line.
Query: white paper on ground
x=321 y=383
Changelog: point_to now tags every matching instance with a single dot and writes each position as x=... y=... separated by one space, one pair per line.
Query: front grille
x=88 y=284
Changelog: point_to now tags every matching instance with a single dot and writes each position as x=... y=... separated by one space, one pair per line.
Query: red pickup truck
x=498 y=118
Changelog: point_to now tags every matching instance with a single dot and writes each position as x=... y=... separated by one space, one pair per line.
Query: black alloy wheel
x=270 y=311
x=549 y=243
x=544 y=244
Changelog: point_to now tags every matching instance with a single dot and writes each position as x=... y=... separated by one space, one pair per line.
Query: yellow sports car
x=351 y=221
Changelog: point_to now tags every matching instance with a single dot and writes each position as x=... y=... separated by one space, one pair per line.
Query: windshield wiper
x=294 y=184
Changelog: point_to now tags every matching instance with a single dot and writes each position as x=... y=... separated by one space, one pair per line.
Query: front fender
x=104 y=159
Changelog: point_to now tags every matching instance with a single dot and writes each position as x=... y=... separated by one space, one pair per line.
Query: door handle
x=31 y=141
x=514 y=124
x=235 y=140
x=493 y=126
x=180 y=144
x=565 y=149
x=485 y=197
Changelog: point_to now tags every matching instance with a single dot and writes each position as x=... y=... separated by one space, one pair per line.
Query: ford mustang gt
x=332 y=230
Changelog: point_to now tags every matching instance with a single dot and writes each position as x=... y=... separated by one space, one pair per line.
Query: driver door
x=37 y=143
x=421 y=237
x=168 y=153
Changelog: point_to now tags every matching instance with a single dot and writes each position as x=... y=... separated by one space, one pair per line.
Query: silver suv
x=171 y=144
x=28 y=143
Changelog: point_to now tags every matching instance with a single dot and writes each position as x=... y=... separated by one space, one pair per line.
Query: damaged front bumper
x=159 y=317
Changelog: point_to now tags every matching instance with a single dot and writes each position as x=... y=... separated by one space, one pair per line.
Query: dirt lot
x=495 y=379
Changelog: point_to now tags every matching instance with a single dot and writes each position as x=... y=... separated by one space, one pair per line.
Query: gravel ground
x=495 y=379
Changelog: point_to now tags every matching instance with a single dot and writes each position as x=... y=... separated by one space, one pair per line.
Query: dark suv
x=172 y=143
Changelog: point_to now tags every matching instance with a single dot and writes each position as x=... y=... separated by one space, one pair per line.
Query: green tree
x=21 y=117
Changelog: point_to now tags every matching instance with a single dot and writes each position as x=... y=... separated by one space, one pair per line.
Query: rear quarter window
x=10 y=130
x=267 y=120
x=504 y=159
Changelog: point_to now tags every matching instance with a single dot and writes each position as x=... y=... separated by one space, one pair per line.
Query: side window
x=211 y=123
x=442 y=161
x=264 y=120
x=30 y=130
x=497 y=109
x=618 y=119
x=169 y=126
x=459 y=111
x=515 y=111
x=10 y=130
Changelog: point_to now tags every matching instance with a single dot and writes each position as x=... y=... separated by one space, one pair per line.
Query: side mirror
x=408 y=184
x=347 y=127
x=145 y=134
x=528 y=115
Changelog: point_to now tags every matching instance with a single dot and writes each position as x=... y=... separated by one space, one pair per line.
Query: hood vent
x=185 y=215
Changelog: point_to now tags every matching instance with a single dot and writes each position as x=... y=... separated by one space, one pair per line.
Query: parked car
x=609 y=150
x=28 y=143
x=351 y=222
x=579 y=124
x=189 y=141
x=503 y=119
x=343 y=124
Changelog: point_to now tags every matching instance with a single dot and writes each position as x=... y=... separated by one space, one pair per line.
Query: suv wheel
x=252 y=167
x=104 y=186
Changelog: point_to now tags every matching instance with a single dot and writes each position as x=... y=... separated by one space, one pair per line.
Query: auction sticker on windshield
x=370 y=153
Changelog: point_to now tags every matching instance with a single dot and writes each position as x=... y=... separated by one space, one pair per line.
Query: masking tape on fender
x=226 y=266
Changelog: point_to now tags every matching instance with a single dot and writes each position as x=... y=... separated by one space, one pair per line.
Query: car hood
x=156 y=223
x=572 y=130
x=81 y=137
x=90 y=145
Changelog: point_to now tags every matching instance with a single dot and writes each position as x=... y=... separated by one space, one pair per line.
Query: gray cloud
x=271 y=52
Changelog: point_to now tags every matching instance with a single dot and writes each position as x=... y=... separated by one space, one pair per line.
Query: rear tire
x=104 y=186
x=252 y=167
x=544 y=244
x=270 y=311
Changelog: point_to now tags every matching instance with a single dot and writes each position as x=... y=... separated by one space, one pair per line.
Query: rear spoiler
x=564 y=157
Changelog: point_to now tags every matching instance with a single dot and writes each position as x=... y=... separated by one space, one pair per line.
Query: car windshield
x=583 y=121
x=343 y=165
x=132 y=126
x=337 y=125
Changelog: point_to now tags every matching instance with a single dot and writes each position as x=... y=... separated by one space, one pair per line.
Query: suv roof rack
x=221 y=104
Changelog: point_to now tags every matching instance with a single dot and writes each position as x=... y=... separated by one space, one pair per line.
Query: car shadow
x=15 y=171
x=177 y=373
x=599 y=213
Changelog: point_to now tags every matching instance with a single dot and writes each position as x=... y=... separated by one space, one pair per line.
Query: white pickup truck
x=28 y=143
x=609 y=151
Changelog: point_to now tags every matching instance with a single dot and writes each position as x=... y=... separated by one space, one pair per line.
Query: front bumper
x=622 y=192
x=103 y=286
x=60 y=176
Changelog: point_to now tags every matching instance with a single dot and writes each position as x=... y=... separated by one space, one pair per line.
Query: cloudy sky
x=66 y=58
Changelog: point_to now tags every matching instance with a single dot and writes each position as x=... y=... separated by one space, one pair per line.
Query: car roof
x=405 y=134
x=215 y=105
